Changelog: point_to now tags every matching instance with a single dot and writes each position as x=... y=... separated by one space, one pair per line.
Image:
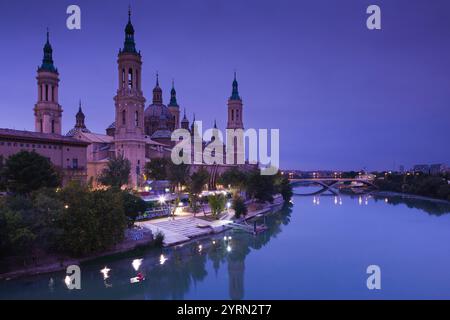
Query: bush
x=25 y=172
x=239 y=206
x=91 y=221
x=217 y=204
x=159 y=239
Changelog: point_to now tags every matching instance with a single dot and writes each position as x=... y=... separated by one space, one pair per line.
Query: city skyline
x=324 y=122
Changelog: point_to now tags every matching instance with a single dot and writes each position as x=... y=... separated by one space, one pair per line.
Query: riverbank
x=53 y=263
x=408 y=196
x=57 y=263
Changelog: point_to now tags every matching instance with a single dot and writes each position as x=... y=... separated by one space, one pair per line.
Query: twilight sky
x=342 y=96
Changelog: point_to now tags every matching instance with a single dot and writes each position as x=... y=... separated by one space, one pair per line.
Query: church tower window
x=124 y=117
x=136 y=118
x=130 y=78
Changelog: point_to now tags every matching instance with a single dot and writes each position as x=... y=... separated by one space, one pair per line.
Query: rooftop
x=39 y=136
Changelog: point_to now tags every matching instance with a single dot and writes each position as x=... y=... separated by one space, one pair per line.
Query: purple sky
x=342 y=96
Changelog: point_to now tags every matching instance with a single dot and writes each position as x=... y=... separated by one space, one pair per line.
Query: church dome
x=158 y=111
x=161 y=134
x=72 y=132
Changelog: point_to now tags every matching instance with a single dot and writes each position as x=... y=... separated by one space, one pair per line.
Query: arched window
x=124 y=120
x=130 y=78
x=46 y=92
x=53 y=126
x=232 y=115
x=137 y=79
x=237 y=114
x=41 y=124
x=136 y=118
x=123 y=78
x=53 y=93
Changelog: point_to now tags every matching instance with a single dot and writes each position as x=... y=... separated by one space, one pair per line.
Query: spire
x=235 y=92
x=215 y=124
x=80 y=118
x=47 y=61
x=129 y=45
x=157 y=92
x=185 y=121
x=173 y=96
x=193 y=123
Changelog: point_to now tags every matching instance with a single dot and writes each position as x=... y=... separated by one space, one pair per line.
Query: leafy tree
x=239 y=206
x=217 y=204
x=117 y=172
x=133 y=205
x=157 y=169
x=261 y=187
x=45 y=215
x=196 y=183
x=91 y=221
x=234 y=178
x=283 y=186
x=16 y=236
x=2 y=178
x=26 y=171
x=178 y=175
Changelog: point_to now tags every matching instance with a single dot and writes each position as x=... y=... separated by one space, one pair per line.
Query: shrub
x=239 y=206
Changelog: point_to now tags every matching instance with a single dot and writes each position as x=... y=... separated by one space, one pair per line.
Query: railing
x=155 y=213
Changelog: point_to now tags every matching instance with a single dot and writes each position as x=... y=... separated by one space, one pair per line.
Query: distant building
x=401 y=169
x=66 y=154
x=421 y=168
x=436 y=169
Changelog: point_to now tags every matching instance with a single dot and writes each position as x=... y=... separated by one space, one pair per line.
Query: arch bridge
x=330 y=184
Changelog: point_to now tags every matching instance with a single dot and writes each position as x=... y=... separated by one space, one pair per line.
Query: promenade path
x=183 y=229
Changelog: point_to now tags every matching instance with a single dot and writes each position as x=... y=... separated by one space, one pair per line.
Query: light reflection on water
x=317 y=248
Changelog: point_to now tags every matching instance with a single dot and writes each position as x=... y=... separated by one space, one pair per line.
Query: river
x=317 y=248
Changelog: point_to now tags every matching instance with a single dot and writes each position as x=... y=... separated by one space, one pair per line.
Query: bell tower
x=129 y=104
x=47 y=111
x=235 y=122
x=173 y=106
x=235 y=116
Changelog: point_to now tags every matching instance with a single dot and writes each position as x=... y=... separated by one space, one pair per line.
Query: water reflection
x=436 y=208
x=216 y=267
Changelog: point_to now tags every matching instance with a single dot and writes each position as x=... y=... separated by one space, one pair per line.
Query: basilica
x=140 y=132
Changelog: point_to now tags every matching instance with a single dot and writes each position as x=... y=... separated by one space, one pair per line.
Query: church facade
x=141 y=133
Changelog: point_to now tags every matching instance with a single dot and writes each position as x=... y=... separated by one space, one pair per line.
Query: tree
x=178 y=175
x=2 y=179
x=239 y=207
x=156 y=169
x=117 y=172
x=133 y=205
x=16 y=236
x=91 y=221
x=217 y=204
x=46 y=212
x=233 y=178
x=197 y=182
x=26 y=171
x=260 y=187
x=283 y=186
